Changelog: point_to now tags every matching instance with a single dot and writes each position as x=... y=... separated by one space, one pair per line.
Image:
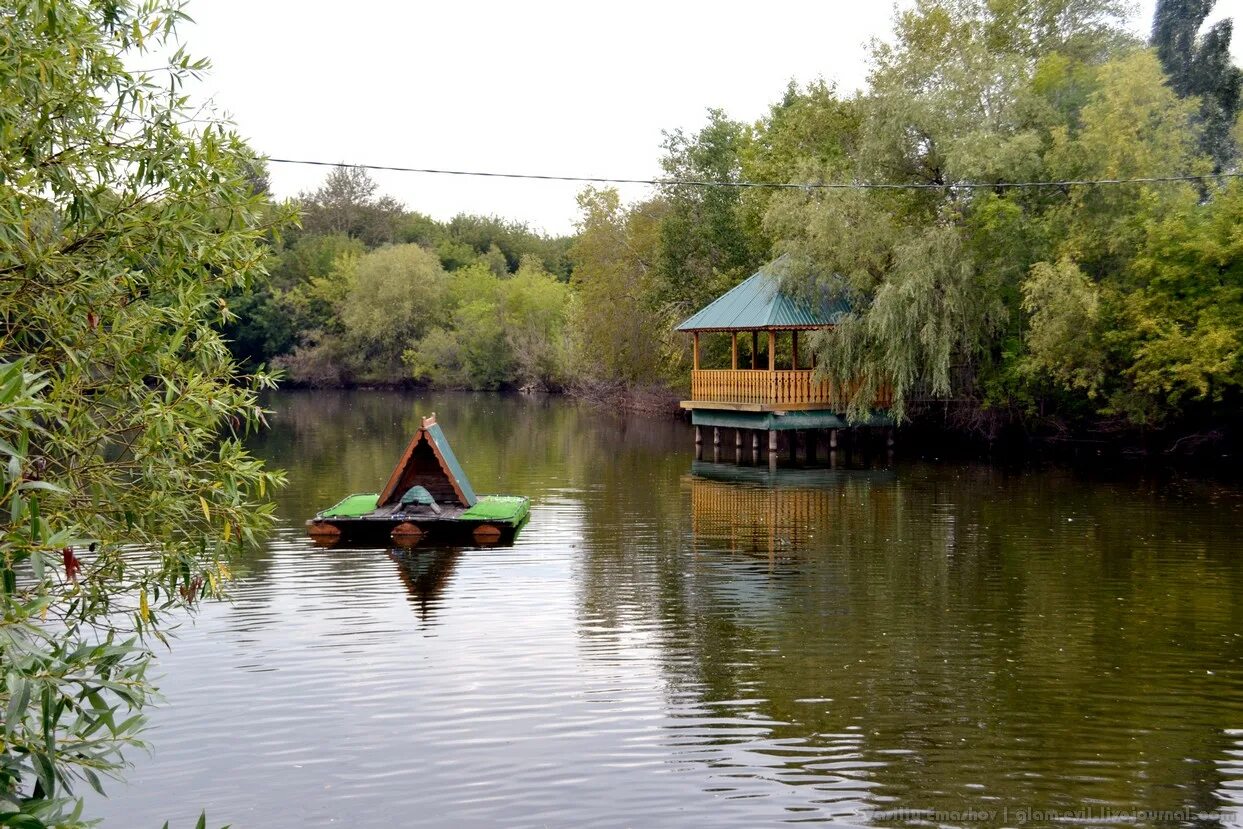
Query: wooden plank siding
x=792 y=388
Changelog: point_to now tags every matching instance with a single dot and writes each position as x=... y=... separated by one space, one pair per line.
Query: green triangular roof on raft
x=759 y=302
x=429 y=462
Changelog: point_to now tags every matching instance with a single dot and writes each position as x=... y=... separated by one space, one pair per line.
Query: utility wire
x=769 y=185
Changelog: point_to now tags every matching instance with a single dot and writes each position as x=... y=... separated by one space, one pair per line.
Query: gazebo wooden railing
x=787 y=387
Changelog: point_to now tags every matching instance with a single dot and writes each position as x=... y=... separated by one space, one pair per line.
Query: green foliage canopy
x=497 y=331
x=1012 y=296
x=620 y=334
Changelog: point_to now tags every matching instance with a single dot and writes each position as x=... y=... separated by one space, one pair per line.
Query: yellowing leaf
x=144 y=609
x=228 y=531
x=206 y=508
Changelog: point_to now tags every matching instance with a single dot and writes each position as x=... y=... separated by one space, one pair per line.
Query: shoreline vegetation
x=997 y=314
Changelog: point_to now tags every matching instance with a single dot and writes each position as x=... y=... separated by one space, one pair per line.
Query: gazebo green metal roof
x=758 y=302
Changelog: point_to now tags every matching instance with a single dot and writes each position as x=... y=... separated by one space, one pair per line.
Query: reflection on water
x=425 y=572
x=673 y=642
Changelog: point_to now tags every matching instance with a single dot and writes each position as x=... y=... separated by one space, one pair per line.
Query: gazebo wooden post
x=695 y=359
x=772 y=369
x=733 y=350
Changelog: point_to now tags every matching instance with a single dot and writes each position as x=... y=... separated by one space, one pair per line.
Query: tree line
x=1048 y=307
x=365 y=292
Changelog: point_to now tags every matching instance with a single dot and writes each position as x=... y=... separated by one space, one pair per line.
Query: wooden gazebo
x=763 y=395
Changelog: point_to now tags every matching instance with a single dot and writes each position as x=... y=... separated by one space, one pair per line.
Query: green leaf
x=45 y=771
x=93 y=779
x=46 y=486
x=19 y=698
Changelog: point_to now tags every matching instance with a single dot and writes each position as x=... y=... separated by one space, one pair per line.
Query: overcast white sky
x=550 y=87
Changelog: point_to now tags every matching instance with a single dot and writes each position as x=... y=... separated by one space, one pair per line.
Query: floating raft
x=427 y=500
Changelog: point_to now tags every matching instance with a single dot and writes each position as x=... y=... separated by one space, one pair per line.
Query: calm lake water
x=673 y=644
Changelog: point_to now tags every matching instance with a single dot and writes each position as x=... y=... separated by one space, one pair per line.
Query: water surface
x=672 y=643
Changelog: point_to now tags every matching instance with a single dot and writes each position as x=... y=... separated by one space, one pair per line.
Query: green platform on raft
x=352 y=506
x=498 y=508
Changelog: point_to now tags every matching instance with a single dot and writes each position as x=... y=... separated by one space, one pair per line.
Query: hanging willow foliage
x=1007 y=298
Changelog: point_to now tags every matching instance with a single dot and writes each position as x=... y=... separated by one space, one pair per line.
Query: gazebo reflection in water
x=782 y=513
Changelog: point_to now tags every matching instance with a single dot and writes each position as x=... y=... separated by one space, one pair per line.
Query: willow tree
x=124 y=219
x=946 y=279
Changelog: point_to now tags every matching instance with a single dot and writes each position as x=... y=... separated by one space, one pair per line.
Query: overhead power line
x=769 y=185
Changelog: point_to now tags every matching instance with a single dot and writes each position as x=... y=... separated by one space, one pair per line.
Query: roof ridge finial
x=428 y=422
